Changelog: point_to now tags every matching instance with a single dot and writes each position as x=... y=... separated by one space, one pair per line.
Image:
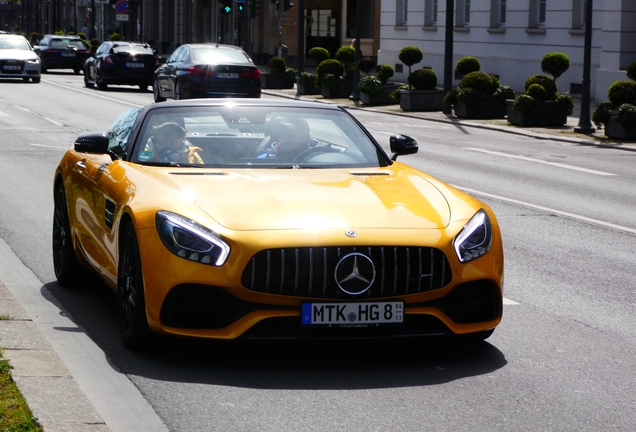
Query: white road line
x=3 y=114
x=21 y=108
x=529 y=159
x=96 y=94
x=549 y=210
x=50 y=146
x=508 y=302
x=56 y=123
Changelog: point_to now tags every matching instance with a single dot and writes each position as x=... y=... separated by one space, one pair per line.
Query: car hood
x=12 y=54
x=317 y=199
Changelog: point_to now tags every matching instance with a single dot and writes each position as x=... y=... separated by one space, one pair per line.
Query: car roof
x=54 y=36
x=9 y=35
x=215 y=45
x=275 y=103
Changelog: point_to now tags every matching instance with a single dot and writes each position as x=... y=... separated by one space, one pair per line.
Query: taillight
x=253 y=74
x=108 y=59
x=198 y=71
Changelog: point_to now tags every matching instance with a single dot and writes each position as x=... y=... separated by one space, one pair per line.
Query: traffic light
x=256 y=8
x=227 y=7
x=240 y=6
x=287 y=5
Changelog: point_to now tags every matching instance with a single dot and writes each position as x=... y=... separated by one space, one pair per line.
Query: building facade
x=510 y=37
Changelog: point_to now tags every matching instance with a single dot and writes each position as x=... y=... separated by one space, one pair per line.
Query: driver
x=168 y=143
x=288 y=140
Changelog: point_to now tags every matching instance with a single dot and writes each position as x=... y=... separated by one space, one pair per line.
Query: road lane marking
x=529 y=159
x=94 y=93
x=56 y=123
x=3 y=114
x=548 y=209
x=508 y=302
x=23 y=109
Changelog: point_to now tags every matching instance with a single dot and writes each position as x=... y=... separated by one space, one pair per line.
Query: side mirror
x=162 y=60
x=402 y=145
x=92 y=143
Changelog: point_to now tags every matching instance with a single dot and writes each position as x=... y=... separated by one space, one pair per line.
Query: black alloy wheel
x=68 y=270
x=87 y=82
x=155 y=92
x=131 y=305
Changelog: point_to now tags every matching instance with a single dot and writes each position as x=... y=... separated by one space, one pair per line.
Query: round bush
x=319 y=54
x=602 y=114
x=625 y=114
x=555 y=64
x=544 y=81
x=329 y=66
x=385 y=72
x=34 y=39
x=346 y=54
x=115 y=37
x=631 y=71
x=481 y=82
x=291 y=74
x=468 y=64
x=423 y=79
x=538 y=92
x=276 y=65
x=410 y=55
x=621 y=92
x=370 y=85
x=366 y=64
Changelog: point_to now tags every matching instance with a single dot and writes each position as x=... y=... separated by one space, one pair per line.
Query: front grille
x=7 y=66
x=310 y=271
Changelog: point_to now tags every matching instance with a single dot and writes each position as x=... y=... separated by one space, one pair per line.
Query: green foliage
x=319 y=54
x=276 y=65
x=544 y=81
x=59 y=33
x=82 y=35
x=346 y=54
x=555 y=64
x=484 y=83
x=423 y=79
x=349 y=72
x=15 y=415
x=366 y=64
x=523 y=103
x=307 y=79
x=468 y=64
x=631 y=71
x=505 y=92
x=94 y=45
x=34 y=39
x=452 y=96
x=329 y=66
x=385 y=72
x=621 y=92
x=601 y=114
x=86 y=44
x=115 y=37
x=370 y=85
x=566 y=100
x=538 y=92
x=625 y=114
x=410 y=55
x=291 y=74
x=396 y=94
x=331 y=81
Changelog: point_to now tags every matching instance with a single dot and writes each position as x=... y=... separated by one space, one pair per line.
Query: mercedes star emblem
x=354 y=273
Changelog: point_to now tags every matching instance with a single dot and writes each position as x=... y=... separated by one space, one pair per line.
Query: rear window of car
x=133 y=49
x=219 y=55
x=63 y=43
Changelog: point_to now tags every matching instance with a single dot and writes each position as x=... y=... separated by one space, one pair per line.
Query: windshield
x=16 y=43
x=215 y=55
x=251 y=137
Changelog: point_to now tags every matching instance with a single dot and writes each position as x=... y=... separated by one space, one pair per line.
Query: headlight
x=475 y=239
x=34 y=61
x=189 y=240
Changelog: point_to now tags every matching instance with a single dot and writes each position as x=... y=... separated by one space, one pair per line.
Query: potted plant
x=331 y=87
x=366 y=64
x=422 y=94
x=617 y=116
x=375 y=90
x=307 y=84
x=542 y=104
x=466 y=65
x=275 y=77
x=479 y=96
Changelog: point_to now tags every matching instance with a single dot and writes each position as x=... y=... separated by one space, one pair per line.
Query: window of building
x=498 y=13
x=430 y=12
x=401 y=14
x=541 y=12
x=537 y=15
x=579 y=8
x=462 y=13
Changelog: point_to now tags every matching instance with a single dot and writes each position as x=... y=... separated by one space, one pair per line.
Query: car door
x=171 y=68
x=101 y=187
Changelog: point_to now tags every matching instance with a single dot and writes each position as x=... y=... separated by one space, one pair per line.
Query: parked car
x=121 y=63
x=207 y=71
x=17 y=58
x=338 y=240
x=62 y=52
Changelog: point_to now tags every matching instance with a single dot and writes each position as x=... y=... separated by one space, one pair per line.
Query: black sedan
x=207 y=71
x=62 y=52
x=122 y=63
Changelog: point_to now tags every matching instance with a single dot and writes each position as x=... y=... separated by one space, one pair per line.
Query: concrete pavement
x=66 y=379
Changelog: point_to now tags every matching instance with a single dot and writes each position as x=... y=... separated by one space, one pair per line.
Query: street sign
x=121 y=17
x=121 y=7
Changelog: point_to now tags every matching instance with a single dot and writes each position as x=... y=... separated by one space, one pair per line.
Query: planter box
x=545 y=113
x=488 y=107
x=382 y=98
x=615 y=130
x=311 y=89
x=421 y=100
x=275 y=81
x=343 y=91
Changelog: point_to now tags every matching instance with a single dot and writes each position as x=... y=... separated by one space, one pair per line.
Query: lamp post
x=448 y=55
x=585 y=126
x=355 y=93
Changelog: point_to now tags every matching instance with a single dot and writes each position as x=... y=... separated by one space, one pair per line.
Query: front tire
x=131 y=305
x=35 y=80
x=68 y=270
x=177 y=91
x=87 y=83
x=155 y=92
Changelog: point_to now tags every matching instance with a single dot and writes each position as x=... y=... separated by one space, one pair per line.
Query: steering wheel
x=305 y=155
x=266 y=143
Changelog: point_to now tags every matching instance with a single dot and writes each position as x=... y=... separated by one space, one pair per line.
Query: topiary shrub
x=366 y=64
x=423 y=79
x=291 y=74
x=523 y=103
x=620 y=92
x=329 y=66
x=410 y=55
x=468 y=64
x=276 y=65
x=555 y=64
x=625 y=114
x=631 y=71
x=537 y=92
x=370 y=85
x=34 y=39
x=602 y=114
x=319 y=54
x=485 y=84
x=94 y=45
x=307 y=79
x=82 y=35
x=115 y=37
x=346 y=55
x=385 y=72
x=331 y=81
x=544 y=81
x=505 y=92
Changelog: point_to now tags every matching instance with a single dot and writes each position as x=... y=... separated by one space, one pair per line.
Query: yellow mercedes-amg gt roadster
x=271 y=219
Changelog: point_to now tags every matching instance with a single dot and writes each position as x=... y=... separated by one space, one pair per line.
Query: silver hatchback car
x=17 y=58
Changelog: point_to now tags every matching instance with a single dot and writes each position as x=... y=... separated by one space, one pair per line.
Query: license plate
x=11 y=67
x=227 y=75
x=352 y=313
x=68 y=54
x=135 y=65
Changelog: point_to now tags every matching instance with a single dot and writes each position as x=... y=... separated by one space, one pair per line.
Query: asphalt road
x=562 y=359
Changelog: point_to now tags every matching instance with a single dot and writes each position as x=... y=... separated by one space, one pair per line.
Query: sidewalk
x=51 y=391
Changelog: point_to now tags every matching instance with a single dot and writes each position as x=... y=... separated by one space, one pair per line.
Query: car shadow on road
x=275 y=364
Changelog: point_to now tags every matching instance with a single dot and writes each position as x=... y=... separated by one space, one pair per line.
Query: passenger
x=168 y=143
x=288 y=140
